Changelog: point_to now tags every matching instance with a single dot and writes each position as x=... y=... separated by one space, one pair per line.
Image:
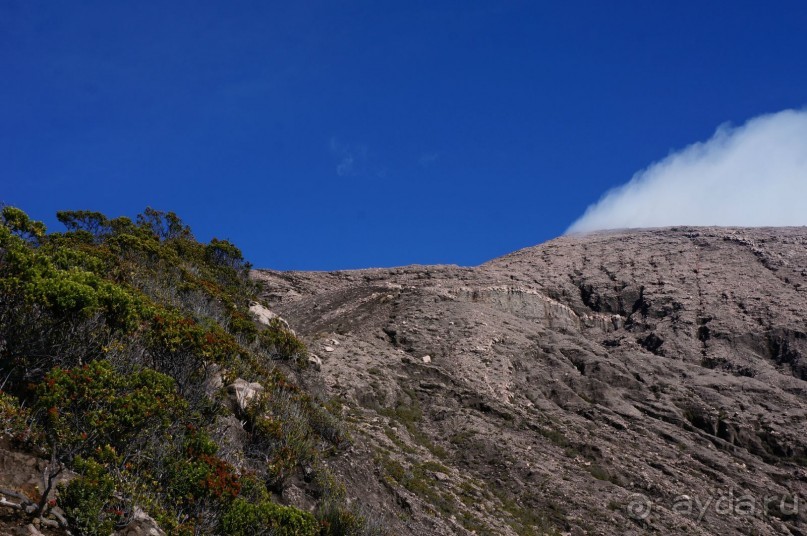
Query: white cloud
x=753 y=175
x=345 y=166
x=351 y=157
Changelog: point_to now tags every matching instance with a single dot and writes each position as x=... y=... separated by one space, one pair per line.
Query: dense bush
x=279 y=342
x=249 y=519
x=15 y=421
x=88 y=500
x=93 y=406
x=109 y=334
x=196 y=473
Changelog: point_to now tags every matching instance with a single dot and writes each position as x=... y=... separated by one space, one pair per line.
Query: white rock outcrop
x=265 y=316
x=314 y=361
x=141 y=524
x=241 y=392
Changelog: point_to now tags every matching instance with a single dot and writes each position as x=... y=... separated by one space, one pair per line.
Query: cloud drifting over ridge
x=751 y=176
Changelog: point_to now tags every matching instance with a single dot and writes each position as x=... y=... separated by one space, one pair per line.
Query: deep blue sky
x=324 y=135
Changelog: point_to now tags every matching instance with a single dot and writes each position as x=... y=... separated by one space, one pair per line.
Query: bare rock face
x=262 y=314
x=241 y=392
x=651 y=381
x=265 y=316
x=22 y=482
x=142 y=524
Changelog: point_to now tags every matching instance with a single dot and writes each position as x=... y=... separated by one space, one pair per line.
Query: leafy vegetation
x=111 y=336
x=243 y=517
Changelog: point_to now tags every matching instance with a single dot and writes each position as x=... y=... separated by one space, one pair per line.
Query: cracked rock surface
x=648 y=381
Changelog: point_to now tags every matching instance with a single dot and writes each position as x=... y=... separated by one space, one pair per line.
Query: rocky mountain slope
x=636 y=382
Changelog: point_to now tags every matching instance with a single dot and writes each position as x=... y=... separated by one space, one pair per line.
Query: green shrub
x=78 y=292
x=172 y=333
x=241 y=324
x=15 y=421
x=337 y=520
x=282 y=432
x=88 y=500
x=93 y=405
x=247 y=519
x=225 y=254
x=198 y=474
x=279 y=342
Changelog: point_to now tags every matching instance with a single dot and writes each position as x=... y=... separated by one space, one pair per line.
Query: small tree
x=164 y=225
x=88 y=221
x=225 y=253
x=20 y=224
